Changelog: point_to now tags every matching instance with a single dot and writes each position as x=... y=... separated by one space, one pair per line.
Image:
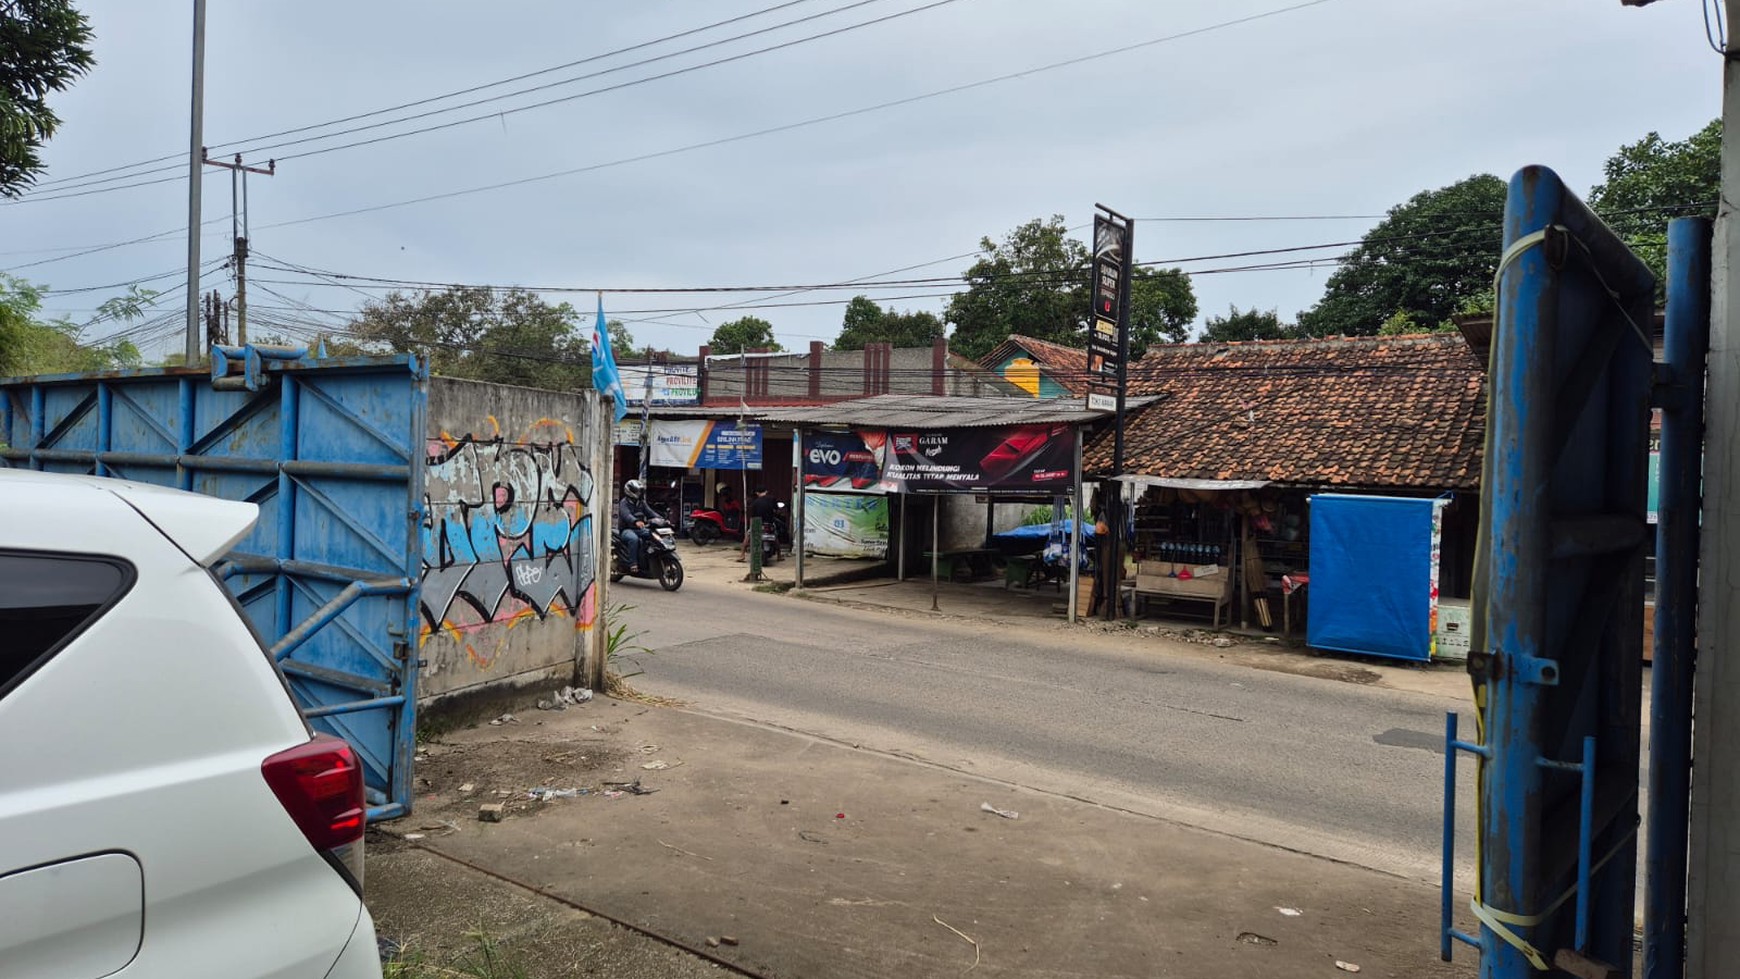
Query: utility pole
x=646 y=417
x=239 y=234
x=196 y=157
x=1713 y=894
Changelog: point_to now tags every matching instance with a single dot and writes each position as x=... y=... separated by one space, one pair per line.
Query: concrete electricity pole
x=239 y=235
x=195 y=171
x=1713 y=891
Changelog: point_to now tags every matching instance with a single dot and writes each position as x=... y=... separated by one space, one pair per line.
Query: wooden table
x=975 y=561
x=1159 y=579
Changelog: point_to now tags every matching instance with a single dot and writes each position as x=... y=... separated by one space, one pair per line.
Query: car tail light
x=320 y=785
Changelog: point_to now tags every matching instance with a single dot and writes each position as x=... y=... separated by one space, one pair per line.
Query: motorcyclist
x=632 y=515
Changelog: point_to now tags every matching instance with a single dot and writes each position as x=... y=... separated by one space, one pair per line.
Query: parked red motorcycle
x=707 y=526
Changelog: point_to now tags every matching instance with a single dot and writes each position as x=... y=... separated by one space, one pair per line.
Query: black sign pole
x=1114 y=508
x=1118 y=542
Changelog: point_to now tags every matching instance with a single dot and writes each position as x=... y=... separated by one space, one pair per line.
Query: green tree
x=621 y=341
x=31 y=345
x=509 y=336
x=743 y=335
x=1032 y=283
x=1035 y=283
x=1648 y=182
x=1245 y=324
x=865 y=322
x=45 y=45
x=1162 y=306
x=1429 y=256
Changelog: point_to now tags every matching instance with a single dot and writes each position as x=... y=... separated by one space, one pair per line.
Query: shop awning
x=1194 y=484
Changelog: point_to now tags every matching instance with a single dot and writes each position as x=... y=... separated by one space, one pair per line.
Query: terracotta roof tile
x=1402 y=412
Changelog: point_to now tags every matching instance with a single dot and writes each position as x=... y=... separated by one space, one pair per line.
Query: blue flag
x=605 y=376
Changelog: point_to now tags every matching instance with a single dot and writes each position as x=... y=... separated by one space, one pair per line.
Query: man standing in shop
x=762 y=506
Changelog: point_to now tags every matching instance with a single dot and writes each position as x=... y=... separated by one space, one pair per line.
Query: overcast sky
x=1344 y=107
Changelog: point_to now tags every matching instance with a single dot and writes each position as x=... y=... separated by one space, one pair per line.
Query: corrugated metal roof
x=929 y=411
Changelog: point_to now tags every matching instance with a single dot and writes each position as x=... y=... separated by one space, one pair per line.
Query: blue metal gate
x=1559 y=595
x=331 y=451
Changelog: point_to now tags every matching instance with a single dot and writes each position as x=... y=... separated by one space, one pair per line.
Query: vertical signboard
x=1105 y=344
x=1108 y=351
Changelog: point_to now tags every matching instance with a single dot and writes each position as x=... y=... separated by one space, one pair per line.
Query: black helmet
x=633 y=488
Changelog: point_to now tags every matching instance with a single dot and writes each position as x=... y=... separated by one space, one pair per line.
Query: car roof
x=203 y=527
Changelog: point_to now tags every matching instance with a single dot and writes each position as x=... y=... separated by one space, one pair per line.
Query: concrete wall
x=509 y=589
x=964 y=520
x=842 y=376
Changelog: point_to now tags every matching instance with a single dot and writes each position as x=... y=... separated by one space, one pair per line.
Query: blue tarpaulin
x=1374 y=575
x=1042 y=531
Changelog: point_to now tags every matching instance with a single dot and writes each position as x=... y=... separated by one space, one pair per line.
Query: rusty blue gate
x=332 y=452
x=1559 y=595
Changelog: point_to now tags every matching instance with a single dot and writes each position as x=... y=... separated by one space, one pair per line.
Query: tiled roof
x=1397 y=412
x=1065 y=365
x=922 y=411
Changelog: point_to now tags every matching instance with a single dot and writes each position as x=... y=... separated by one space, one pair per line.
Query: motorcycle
x=658 y=556
x=773 y=535
x=707 y=526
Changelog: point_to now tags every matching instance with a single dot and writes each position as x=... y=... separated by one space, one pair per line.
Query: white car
x=165 y=811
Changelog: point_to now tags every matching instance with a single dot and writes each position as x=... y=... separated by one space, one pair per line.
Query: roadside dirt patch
x=1344 y=672
x=508 y=769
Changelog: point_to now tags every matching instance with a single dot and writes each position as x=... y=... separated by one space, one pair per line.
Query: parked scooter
x=707 y=526
x=772 y=533
x=658 y=556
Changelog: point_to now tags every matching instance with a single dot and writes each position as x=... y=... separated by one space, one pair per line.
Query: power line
x=356 y=281
x=801 y=124
x=434 y=98
x=97 y=186
x=1268 y=217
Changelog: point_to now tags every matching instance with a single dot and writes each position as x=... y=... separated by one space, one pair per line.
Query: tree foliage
x=1246 y=324
x=865 y=322
x=743 y=335
x=1648 y=182
x=508 y=336
x=621 y=341
x=1035 y=283
x=1429 y=256
x=45 y=45
x=1162 y=306
x=1030 y=283
x=30 y=344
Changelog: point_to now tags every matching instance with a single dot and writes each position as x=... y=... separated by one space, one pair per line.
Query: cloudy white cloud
x=1346 y=107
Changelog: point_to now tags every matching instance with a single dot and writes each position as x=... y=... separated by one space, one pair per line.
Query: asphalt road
x=1339 y=769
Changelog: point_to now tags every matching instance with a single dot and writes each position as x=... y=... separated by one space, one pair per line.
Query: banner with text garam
x=1002 y=459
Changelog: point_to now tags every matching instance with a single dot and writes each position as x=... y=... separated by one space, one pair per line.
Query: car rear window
x=46 y=600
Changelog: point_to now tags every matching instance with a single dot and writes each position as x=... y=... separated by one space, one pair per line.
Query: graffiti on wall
x=507 y=534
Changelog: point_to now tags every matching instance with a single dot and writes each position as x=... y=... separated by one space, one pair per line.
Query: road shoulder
x=823 y=860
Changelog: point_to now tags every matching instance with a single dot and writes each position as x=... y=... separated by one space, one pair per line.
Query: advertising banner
x=846 y=462
x=698 y=443
x=846 y=525
x=672 y=385
x=1106 y=336
x=1010 y=459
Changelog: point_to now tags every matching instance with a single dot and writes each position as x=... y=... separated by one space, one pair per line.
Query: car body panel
x=145 y=735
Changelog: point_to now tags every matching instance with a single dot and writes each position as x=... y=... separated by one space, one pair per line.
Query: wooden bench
x=966 y=564
x=1208 y=583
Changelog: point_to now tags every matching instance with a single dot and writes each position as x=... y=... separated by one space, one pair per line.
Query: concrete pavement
x=823 y=860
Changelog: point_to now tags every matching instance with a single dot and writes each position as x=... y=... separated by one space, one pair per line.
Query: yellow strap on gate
x=1497 y=920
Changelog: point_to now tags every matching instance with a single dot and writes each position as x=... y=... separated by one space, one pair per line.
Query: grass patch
x=622 y=647
x=774 y=587
x=485 y=959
